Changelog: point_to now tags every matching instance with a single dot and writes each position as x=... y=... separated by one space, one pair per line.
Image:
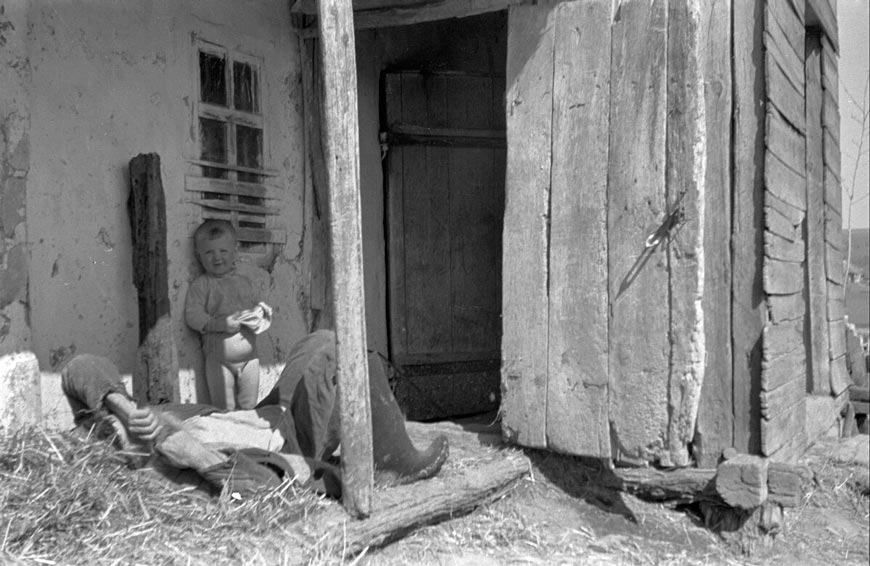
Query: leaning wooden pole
x=335 y=22
x=155 y=377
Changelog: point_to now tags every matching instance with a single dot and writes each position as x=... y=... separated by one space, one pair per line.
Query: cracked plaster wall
x=15 y=332
x=109 y=82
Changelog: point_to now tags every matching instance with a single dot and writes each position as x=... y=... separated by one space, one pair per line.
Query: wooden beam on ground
x=399 y=510
x=341 y=148
x=155 y=376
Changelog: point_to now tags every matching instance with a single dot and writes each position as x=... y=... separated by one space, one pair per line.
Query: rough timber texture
x=577 y=374
x=155 y=378
x=341 y=148
x=783 y=382
x=819 y=368
x=686 y=147
x=749 y=312
x=834 y=267
x=715 y=421
x=525 y=265
x=637 y=207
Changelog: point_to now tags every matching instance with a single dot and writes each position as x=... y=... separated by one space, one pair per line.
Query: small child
x=222 y=306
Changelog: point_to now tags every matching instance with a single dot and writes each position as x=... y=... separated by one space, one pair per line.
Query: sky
x=854 y=22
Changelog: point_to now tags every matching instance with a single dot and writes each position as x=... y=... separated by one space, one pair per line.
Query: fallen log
x=742 y=482
x=396 y=511
x=677 y=486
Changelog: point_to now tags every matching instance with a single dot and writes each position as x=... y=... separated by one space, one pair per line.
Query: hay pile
x=70 y=500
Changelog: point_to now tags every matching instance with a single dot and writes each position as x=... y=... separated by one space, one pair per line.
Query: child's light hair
x=213 y=228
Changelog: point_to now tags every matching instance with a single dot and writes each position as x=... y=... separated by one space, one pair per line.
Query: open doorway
x=441 y=134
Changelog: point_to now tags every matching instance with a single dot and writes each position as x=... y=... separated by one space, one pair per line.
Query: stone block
x=742 y=481
x=20 y=394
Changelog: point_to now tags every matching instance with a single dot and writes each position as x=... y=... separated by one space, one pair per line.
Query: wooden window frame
x=258 y=241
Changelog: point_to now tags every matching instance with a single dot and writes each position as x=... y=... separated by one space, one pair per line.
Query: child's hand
x=233 y=322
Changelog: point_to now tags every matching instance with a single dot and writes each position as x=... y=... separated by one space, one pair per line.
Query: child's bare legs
x=221 y=382
x=233 y=385
x=247 y=383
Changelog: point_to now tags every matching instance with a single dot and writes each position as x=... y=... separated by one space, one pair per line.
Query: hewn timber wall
x=804 y=336
x=835 y=244
x=783 y=382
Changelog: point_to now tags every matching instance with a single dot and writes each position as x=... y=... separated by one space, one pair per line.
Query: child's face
x=216 y=255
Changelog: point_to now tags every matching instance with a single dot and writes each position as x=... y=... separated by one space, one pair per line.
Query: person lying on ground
x=292 y=432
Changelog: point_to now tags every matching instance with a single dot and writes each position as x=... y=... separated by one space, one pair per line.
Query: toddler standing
x=222 y=306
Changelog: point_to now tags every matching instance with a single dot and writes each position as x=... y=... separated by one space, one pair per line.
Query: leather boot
x=394 y=453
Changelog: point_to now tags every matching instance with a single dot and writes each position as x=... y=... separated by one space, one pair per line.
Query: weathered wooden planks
x=819 y=367
x=786 y=423
x=335 y=22
x=749 y=312
x=639 y=361
x=786 y=307
x=785 y=142
x=577 y=415
x=784 y=183
x=525 y=262
x=783 y=376
x=685 y=162
x=782 y=277
x=777 y=247
x=714 y=425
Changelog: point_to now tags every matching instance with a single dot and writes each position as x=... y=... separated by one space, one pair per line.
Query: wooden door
x=445 y=161
x=603 y=345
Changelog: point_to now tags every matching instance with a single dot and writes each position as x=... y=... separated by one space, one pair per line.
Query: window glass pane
x=245 y=92
x=249 y=147
x=212 y=78
x=213 y=141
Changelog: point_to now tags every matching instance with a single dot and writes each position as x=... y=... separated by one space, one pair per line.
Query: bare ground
x=557 y=516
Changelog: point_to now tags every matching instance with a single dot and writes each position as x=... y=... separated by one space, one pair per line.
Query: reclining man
x=291 y=432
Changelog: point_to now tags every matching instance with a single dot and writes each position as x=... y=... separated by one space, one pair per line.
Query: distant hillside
x=861 y=249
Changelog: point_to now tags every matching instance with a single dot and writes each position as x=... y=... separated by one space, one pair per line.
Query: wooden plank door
x=445 y=194
x=603 y=351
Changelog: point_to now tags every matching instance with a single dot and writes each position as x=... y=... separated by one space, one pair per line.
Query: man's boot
x=394 y=453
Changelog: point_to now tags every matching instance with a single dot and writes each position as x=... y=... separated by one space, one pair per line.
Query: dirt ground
x=556 y=516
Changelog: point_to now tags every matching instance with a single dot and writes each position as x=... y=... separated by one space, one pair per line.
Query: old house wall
x=14 y=170
x=110 y=82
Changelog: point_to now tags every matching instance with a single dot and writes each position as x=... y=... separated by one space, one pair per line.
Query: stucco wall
x=14 y=170
x=110 y=81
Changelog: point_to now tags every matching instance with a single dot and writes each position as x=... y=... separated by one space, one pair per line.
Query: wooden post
x=155 y=377
x=749 y=311
x=335 y=22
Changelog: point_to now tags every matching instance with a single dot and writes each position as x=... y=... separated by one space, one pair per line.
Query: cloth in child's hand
x=258 y=319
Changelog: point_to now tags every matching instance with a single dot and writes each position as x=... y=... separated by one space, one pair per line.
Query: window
x=232 y=181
